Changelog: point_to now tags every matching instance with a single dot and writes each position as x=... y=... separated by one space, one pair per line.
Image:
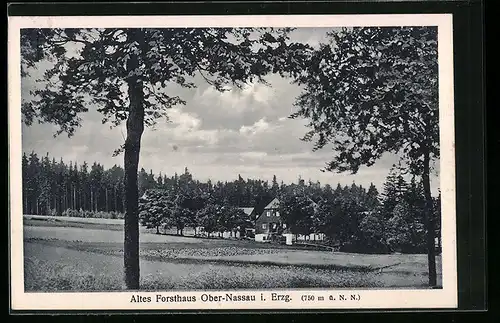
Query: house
x=269 y=223
x=249 y=230
x=249 y=211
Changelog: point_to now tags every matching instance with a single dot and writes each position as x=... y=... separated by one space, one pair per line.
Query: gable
x=247 y=210
x=274 y=204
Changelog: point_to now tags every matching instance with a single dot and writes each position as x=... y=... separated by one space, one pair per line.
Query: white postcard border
x=356 y=298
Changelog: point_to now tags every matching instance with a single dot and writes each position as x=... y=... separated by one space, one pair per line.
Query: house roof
x=247 y=210
x=312 y=201
x=274 y=204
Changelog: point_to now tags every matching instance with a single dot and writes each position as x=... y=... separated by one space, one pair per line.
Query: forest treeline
x=355 y=218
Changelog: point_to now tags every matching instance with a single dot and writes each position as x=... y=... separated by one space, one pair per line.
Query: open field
x=60 y=256
x=67 y=219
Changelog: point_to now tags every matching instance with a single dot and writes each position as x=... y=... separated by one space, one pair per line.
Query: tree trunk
x=429 y=221
x=25 y=203
x=61 y=204
x=116 y=199
x=135 y=128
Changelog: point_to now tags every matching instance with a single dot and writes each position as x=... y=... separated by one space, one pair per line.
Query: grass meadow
x=62 y=256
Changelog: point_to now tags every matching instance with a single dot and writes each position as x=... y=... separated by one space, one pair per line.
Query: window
x=264 y=226
x=277 y=213
x=268 y=213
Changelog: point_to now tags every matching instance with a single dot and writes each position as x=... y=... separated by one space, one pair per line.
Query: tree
x=370 y=91
x=275 y=188
x=209 y=216
x=437 y=216
x=233 y=219
x=347 y=221
x=297 y=210
x=159 y=181
x=106 y=184
x=45 y=185
x=153 y=209
x=26 y=195
x=180 y=213
x=61 y=186
x=88 y=183
x=372 y=197
x=142 y=182
x=33 y=183
x=395 y=189
x=123 y=72
x=404 y=231
x=373 y=233
x=95 y=178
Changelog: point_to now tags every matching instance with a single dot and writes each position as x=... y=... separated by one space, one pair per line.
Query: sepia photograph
x=207 y=163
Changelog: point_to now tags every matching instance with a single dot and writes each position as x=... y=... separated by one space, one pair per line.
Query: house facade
x=270 y=223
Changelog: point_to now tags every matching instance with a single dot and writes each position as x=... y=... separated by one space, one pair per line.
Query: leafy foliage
x=152 y=210
x=90 y=67
x=371 y=91
x=298 y=210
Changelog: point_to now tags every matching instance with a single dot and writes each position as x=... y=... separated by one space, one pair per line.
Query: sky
x=217 y=136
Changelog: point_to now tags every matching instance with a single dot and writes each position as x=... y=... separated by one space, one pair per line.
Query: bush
x=117 y=215
x=86 y=214
x=101 y=215
x=91 y=214
x=71 y=213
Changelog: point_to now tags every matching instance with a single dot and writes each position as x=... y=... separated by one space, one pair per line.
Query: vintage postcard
x=232 y=162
